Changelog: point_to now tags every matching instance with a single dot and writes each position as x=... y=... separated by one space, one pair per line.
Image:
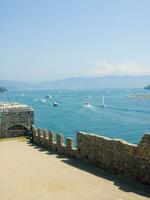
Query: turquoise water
x=123 y=117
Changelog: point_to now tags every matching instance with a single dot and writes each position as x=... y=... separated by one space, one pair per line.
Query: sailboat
x=103 y=102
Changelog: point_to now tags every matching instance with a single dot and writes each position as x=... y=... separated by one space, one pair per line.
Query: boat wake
x=40 y=100
x=128 y=110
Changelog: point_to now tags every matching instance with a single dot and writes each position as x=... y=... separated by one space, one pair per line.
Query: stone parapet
x=118 y=156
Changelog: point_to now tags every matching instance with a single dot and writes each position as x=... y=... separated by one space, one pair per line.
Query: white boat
x=87 y=104
x=55 y=103
x=103 y=102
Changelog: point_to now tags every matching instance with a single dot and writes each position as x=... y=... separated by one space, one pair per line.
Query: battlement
x=114 y=155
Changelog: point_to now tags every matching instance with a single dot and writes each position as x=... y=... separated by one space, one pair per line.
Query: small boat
x=103 y=103
x=48 y=97
x=55 y=103
x=87 y=104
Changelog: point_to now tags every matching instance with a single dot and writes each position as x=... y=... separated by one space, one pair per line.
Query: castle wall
x=9 y=119
x=117 y=156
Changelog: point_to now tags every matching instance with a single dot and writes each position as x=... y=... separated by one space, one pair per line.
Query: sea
x=123 y=117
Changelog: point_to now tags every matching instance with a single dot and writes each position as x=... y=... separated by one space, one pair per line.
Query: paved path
x=26 y=173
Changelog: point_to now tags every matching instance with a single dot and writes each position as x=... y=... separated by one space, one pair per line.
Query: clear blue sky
x=54 y=39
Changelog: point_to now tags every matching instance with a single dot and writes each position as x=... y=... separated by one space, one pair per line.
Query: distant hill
x=82 y=83
x=97 y=83
x=15 y=85
x=147 y=87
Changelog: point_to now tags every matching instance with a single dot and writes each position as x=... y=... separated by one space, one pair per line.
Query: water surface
x=124 y=118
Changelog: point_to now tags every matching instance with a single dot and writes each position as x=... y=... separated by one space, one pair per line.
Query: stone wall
x=117 y=156
x=10 y=119
x=132 y=161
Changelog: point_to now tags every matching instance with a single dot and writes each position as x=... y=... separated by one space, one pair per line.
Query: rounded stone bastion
x=15 y=119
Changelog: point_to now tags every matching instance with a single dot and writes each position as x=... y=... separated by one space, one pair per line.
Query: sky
x=43 y=40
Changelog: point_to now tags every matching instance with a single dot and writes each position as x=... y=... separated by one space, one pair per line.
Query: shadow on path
x=121 y=182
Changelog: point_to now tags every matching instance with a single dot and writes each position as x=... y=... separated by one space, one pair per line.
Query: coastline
x=140 y=97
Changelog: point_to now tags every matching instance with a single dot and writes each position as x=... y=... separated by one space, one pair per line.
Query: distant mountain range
x=15 y=85
x=82 y=83
x=147 y=87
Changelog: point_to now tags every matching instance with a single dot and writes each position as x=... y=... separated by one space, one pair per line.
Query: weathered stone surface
x=117 y=155
x=51 y=137
x=15 y=119
x=69 y=146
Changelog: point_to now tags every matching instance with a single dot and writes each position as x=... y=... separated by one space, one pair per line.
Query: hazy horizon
x=89 y=83
x=77 y=77
x=53 y=40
